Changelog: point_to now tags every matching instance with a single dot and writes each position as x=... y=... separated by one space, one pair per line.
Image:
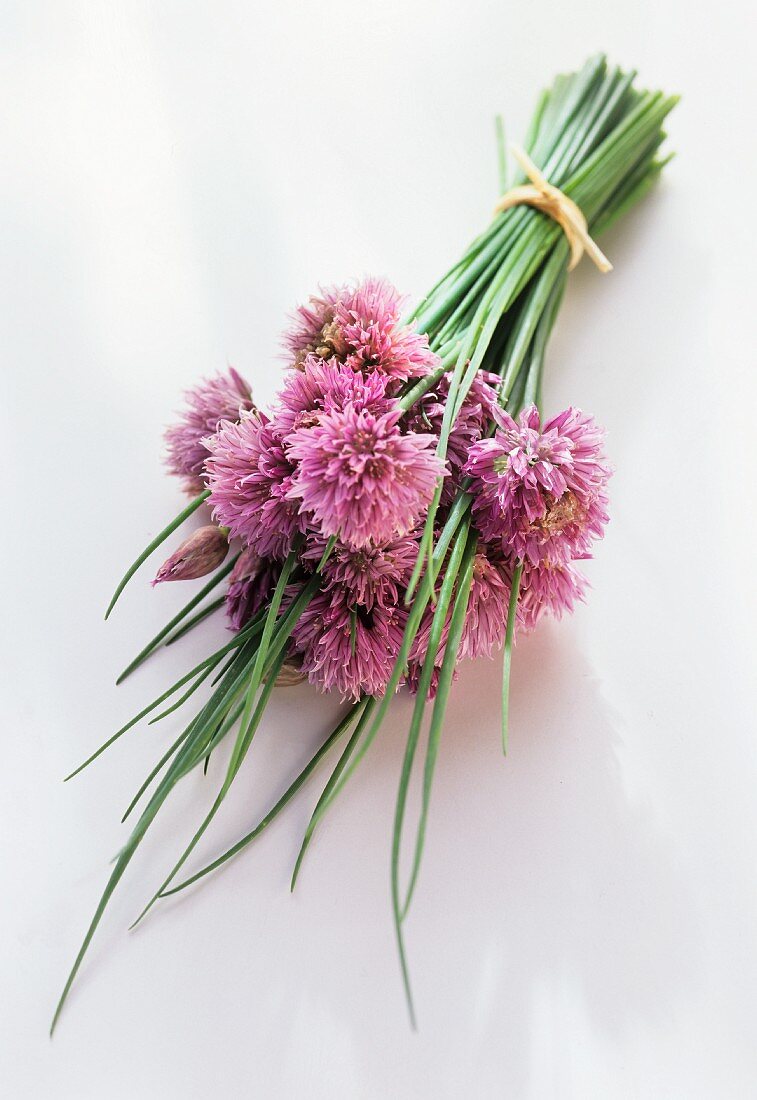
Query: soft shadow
x=584 y=902
x=544 y=885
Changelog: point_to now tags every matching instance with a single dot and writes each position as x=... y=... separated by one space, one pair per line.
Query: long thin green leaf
x=204 y=613
x=252 y=725
x=178 y=617
x=438 y=624
x=457 y=623
x=233 y=644
x=368 y=705
x=127 y=853
x=276 y=809
x=508 y=650
x=187 y=694
x=257 y=671
x=154 y=771
x=499 y=130
x=156 y=542
x=440 y=704
x=276 y=657
x=327 y=552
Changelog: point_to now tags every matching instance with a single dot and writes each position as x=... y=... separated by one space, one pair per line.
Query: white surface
x=175 y=176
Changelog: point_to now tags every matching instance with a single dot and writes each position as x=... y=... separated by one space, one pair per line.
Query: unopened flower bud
x=197 y=556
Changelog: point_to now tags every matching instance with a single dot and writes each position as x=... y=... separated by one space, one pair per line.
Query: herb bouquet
x=403 y=505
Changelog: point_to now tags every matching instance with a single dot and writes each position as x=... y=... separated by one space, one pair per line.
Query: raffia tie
x=541 y=194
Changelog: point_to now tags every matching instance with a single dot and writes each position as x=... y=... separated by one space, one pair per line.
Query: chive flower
x=360 y=477
x=251 y=583
x=541 y=491
x=346 y=647
x=359 y=326
x=250 y=478
x=211 y=401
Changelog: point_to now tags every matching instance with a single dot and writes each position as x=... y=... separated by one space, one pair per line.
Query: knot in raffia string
x=542 y=195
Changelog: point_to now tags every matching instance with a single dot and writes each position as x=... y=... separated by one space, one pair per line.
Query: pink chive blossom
x=250 y=478
x=418 y=651
x=542 y=491
x=372 y=575
x=479 y=407
x=322 y=385
x=251 y=583
x=360 y=477
x=419 y=648
x=312 y=330
x=413 y=678
x=348 y=649
x=485 y=619
x=548 y=589
x=224 y=397
x=488 y=604
x=197 y=556
x=361 y=327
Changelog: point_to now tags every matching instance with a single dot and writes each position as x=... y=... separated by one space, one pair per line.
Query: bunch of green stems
x=596 y=138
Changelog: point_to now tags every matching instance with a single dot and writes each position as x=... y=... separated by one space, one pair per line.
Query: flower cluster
x=214 y=400
x=339 y=473
x=540 y=497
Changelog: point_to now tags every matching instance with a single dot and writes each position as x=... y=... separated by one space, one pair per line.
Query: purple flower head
x=542 y=491
x=312 y=330
x=361 y=327
x=413 y=678
x=370 y=575
x=323 y=385
x=480 y=406
x=418 y=651
x=486 y=617
x=250 y=585
x=360 y=477
x=224 y=397
x=419 y=646
x=548 y=589
x=197 y=556
x=250 y=477
x=348 y=648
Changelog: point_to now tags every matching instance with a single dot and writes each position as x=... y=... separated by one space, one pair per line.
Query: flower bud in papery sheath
x=211 y=401
x=197 y=555
x=541 y=491
x=360 y=326
x=360 y=477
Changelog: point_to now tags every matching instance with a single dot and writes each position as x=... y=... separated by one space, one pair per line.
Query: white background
x=175 y=176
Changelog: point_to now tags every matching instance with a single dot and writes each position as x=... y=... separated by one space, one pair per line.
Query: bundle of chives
x=595 y=137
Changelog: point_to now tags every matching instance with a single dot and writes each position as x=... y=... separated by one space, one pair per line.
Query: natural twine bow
x=552 y=201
